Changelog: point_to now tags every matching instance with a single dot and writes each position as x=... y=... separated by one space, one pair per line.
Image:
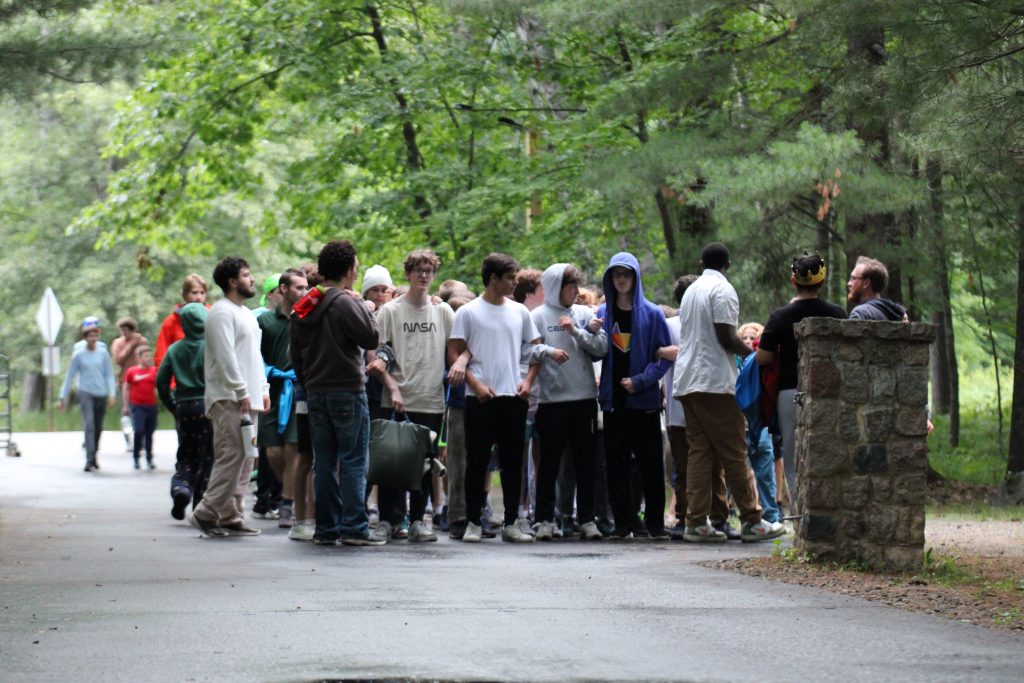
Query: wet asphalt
x=99 y=583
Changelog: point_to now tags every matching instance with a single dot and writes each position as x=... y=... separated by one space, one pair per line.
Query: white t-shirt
x=494 y=336
x=419 y=337
x=673 y=408
x=233 y=363
x=702 y=364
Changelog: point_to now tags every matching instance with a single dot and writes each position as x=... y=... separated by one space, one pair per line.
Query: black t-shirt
x=622 y=327
x=778 y=333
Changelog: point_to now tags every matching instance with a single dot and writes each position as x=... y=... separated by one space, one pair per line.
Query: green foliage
x=980 y=459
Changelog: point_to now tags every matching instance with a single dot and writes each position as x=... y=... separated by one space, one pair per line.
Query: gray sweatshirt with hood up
x=573 y=380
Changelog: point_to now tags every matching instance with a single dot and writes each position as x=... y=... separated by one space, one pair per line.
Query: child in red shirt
x=140 y=387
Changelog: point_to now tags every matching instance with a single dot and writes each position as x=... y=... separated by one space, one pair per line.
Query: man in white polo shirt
x=705 y=382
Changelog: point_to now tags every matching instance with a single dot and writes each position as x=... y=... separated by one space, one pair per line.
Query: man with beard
x=278 y=432
x=236 y=387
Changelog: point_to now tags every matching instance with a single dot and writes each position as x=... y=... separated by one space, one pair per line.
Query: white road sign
x=49 y=317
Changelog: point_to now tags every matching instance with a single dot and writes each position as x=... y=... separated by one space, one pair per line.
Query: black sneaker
x=730 y=532
x=181 y=498
x=605 y=527
x=618 y=535
x=457 y=529
x=676 y=532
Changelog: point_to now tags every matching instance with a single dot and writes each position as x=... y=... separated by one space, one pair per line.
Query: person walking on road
x=183 y=364
x=236 y=387
x=96 y=389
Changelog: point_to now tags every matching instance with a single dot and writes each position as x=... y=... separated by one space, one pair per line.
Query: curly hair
x=228 y=269
x=336 y=259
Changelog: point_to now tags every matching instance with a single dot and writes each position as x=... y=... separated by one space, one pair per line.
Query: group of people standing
x=531 y=377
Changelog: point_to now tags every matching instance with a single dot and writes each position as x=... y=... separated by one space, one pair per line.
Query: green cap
x=269 y=285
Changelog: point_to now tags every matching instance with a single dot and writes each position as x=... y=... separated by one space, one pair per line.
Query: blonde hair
x=758 y=328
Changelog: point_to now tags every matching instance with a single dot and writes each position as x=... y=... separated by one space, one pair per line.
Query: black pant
x=195 y=450
x=635 y=433
x=573 y=423
x=391 y=501
x=500 y=421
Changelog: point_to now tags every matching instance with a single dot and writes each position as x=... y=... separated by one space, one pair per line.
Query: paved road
x=98 y=583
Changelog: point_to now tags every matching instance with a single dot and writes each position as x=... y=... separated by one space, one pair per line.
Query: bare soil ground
x=974 y=571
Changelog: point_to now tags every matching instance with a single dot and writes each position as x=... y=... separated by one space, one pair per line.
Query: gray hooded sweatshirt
x=573 y=380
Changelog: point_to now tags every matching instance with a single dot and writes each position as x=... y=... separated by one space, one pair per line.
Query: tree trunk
x=945 y=369
x=33 y=392
x=866 y=232
x=1015 y=455
x=413 y=157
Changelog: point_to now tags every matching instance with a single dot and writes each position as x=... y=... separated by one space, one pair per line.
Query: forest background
x=142 y=140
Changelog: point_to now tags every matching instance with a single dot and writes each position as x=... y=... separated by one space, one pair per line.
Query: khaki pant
x=680 y=450
x=223 y=502
x=715 y=431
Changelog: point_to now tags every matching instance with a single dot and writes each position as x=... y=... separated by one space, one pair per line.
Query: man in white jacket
x=236 y=387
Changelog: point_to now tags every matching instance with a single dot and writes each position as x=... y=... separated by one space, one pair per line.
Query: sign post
x=49 y=318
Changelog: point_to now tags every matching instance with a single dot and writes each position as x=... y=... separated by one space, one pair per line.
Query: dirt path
x=975 y=574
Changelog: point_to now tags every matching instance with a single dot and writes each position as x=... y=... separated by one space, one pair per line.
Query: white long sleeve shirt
x=233 y=364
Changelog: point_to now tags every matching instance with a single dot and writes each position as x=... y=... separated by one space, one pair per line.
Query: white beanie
x=376 y=275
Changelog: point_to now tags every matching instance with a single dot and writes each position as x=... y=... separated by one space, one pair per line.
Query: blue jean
x=94 y=409
x=144 y=424
x=340 y=422
x=762 y=461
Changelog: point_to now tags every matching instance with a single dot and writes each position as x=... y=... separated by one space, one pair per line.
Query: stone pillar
x=861 y=450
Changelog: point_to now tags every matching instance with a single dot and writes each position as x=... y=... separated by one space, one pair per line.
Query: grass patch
x=980 y=459
x=975 y=512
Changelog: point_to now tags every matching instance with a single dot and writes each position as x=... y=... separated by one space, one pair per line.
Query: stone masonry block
x=822 y=379
x=883 y=521
x=824 y=456
x=878 y=424
x=881 y=490
x=819 y=414
x=855 y=385
x=856 y=491
x=853 y=524
x=910 y=489
x=822 y=493
x=848 y=353
x=883 y=354
x=908 y=456
x=849 y=424
x=883 y=384
x=816 y=347
x=871 y=458
x=916 y=354
x=912 y=386
x=817 y=527
x=912 y=421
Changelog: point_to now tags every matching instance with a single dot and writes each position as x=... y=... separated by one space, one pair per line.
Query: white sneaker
x=590 y=532
x=705 y=533
x=513 y=534
x=762 y=531
x=546 y=531
x=474 y=533
x=524 y=525
x=302 y=530
x=421 y=532
x=384 y=527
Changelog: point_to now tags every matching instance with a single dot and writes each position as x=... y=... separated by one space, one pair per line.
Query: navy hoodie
x=649 y=333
